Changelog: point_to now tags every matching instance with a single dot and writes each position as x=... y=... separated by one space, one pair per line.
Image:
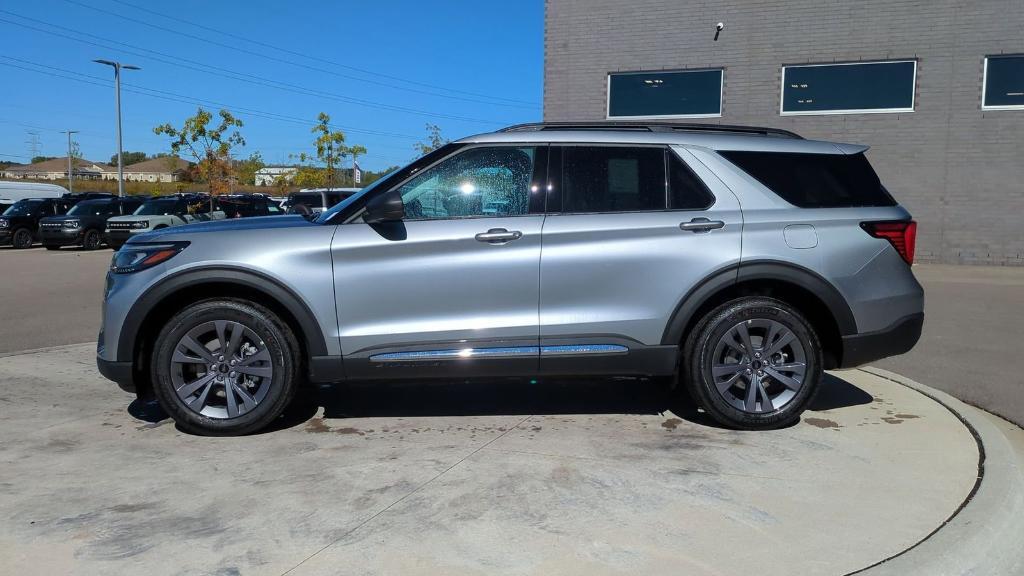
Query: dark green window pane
x=697 y=92
x=849 y=87
x=1004 y=81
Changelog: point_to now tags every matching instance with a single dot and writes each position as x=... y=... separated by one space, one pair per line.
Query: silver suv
x=739 y=262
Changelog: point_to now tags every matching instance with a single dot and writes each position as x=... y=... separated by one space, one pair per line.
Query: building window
x=1003 y=85
x=855 y=88
x=678 y=94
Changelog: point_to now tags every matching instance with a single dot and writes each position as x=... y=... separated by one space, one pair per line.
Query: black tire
x=706 y=347
x=51 y=246
x=91 y=240
x=275 y=335
x=22 y=238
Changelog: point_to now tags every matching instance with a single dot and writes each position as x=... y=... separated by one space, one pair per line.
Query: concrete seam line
x=415 y=490
x=982 y=536
x=45 y=349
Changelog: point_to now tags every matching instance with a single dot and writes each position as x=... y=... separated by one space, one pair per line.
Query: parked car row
x=92 y=219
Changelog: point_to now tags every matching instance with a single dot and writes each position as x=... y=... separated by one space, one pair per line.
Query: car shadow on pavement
x=502 y=398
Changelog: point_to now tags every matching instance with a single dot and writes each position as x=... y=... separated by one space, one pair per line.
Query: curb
x=984 y=535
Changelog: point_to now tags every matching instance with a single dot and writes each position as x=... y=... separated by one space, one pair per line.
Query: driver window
x=489 y=181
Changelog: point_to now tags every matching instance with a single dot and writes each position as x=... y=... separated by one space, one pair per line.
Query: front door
x=453 y=288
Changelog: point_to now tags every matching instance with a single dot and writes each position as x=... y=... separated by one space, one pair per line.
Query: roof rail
x=653 y=127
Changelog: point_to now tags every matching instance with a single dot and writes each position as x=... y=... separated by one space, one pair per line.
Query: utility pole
x=71 y=167
x=117 y=89
x=33 y=144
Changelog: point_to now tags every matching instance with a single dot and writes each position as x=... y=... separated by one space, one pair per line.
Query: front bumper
x=5 y=236
x=60 y=236
x=119 y=372
x=117 y=238
x=899 y=338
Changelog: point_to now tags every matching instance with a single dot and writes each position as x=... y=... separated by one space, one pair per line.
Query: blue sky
x=382 y=70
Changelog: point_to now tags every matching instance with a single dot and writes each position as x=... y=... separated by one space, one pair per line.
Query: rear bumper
x=898 y=338
x=119 y=372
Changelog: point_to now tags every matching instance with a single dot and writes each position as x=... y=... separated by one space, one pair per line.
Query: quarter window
x=679 y=94
x=1003 y=83
x=849 y=88
x=686 y=190
x=613 y=179
x=479 y=182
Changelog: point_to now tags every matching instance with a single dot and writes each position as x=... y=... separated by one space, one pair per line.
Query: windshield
x=158 y=207
x=90 y=207
x=23 y=207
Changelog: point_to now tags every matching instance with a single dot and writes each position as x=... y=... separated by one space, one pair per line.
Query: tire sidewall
x=718 y=323
x=91 y=241
x=20 y=233
x=278 y=340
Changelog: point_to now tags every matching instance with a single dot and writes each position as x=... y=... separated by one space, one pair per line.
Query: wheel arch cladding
x=810 y=294
x=152 y=310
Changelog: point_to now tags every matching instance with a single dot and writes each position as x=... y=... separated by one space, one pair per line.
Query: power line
x=224 y=72
x=476 y=98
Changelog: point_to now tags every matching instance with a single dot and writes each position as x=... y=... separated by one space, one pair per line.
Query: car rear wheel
x=91 y=241
x=753 y=363
x=225 y=367
x=22 y=238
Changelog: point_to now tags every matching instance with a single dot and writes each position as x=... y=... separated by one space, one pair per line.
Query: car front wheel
x=225 y=367
x=91 y=241
x=753 y=363
x=22 y=238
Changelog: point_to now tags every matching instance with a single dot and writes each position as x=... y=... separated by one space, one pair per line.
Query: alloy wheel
x=758 y=366
x=221 y=369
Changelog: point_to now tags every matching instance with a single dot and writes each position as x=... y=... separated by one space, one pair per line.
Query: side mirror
x=387 y=207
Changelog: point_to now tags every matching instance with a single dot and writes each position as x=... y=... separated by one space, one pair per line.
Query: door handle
x=499 y=236
x=701 y=225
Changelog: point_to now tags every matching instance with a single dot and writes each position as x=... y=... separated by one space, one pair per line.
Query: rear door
x=452 y=289
x=636 y=228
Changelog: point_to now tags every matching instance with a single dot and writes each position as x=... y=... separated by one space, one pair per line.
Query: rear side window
x=613 y=179
x=686 y=190
x=815 y=180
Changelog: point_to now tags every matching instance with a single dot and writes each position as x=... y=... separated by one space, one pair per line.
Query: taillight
x=902 y=235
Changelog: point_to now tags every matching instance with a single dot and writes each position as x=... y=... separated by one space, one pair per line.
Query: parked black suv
x=246 y=205
x=85 y=223
x=19 y=224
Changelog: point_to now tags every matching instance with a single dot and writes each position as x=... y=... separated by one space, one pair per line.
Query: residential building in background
x=162 y=169
x=268 y=175
x=57 y=169
x=935 y=88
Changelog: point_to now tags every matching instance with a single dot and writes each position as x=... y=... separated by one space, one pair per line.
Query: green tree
x=128 y=158
x=433 y=141
x=209 y=146
x=248 y=168
x=38 y=159
x=330 y=147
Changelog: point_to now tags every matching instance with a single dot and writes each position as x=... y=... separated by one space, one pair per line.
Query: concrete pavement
x=559 y=478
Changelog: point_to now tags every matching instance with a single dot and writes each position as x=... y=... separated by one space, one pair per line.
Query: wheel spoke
x=788 y=382
x=726 y=369
x=259 y=371
x=261 y=356
x=248 y=402
x=750 y=405
x=188 y=389
x=726 y=384
x=196 y=348
x=182 y=358
x=222 y=326
x=766 y=402
x=236 y=337
x=741 y=328
x=791 y=367
x=786 y=338
x=773 y=331
x=232 y=400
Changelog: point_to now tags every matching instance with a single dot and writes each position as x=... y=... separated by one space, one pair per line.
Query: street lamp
x=117 y=66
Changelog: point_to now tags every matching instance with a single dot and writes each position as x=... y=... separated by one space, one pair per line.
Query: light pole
x=71 y=167
x=117 y=66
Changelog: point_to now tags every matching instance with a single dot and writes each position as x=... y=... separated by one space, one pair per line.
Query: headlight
x=134 y=257
x=3 y=223
x=71 y=224
x=140 y=224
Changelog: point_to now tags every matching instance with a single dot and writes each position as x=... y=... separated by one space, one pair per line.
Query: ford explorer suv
x=19 y=224
x=160 y=212
x=737 y=262
x=85 y=222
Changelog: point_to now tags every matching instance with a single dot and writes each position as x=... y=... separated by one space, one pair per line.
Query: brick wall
x=959 y=170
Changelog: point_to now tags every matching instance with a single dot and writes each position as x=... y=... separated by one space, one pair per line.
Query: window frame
x=556 y=185
x=984 y=84
x=608 y=94
x=841 y=112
